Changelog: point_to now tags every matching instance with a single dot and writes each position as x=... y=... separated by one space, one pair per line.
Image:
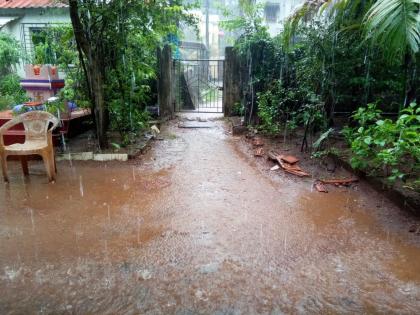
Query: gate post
x=164 y=85
x=231 y=81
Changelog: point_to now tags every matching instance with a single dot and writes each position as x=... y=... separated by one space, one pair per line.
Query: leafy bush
x=6 y=101
x=55 y=45
x=385 y=146
x=127 y=119
x=10 y=85
x=11 y=92
x=9 y=53
x=292 y=106
x=238 y=109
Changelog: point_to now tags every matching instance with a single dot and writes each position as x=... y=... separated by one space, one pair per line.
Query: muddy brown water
x=196 y=228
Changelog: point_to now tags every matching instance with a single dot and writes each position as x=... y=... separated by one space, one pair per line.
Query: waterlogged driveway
x=196 y=227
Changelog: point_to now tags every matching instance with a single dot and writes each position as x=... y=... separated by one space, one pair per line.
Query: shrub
x=6 y=101
x=387 y=146
x=127 y=120
x=10 y=85
x=292 y=106
x=9 y=53
x=11 y=92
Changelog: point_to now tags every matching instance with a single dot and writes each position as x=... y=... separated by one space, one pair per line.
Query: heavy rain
x=238 y=157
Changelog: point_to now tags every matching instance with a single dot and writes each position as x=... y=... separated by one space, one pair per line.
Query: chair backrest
x=36 y=124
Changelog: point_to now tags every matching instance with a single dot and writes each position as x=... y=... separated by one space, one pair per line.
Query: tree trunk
x=96 y=80
x=95 y=76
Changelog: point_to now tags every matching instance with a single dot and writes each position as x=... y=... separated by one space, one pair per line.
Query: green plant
x=238 y=109
x=6 y=102
x=9 y=53
x=396 y=25
x=322 y=138
x=385 y=146
x=117 y=42
x=324 y=153
x=127 y=120
x=269 y=112
x=277 y=106
x=11 y=92
x=55 y=45
x=57 y=107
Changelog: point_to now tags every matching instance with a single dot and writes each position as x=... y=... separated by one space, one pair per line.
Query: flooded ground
x=196 y=227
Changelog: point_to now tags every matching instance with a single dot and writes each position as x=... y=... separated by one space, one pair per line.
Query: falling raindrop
x=109 y=215
x=81 y=186
x=285 y=243
x=31 y=212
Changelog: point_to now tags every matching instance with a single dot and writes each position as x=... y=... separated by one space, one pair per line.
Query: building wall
x=31 y=18
x=285 y=9
x=219 y=38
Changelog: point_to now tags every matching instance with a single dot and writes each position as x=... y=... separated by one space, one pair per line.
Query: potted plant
x=37 y=69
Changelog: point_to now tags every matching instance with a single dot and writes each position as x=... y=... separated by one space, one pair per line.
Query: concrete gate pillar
x=231 y=81
x=165 y=88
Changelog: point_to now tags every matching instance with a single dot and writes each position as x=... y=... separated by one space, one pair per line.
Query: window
x=271 y=12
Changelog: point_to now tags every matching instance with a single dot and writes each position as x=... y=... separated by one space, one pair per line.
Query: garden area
x=210 y=158
x=337 y=71
x=342 y=80
x=108 y=59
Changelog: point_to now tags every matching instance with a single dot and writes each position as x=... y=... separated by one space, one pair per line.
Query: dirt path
x=196 y=227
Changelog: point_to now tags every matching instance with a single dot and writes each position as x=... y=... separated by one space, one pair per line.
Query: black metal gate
x=198 y=85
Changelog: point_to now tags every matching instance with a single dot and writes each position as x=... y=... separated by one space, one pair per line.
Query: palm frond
x=395 y=24
x=302 y=14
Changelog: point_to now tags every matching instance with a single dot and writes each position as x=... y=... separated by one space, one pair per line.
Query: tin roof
x=24 y=4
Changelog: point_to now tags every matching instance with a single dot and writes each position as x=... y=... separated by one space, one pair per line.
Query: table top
x=8 y=114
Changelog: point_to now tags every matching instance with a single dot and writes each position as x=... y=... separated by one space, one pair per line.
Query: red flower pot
x=37 y=70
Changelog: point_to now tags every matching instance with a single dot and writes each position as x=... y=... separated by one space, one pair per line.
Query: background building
x=213 y=36
x=24 y=18
x=276 y=12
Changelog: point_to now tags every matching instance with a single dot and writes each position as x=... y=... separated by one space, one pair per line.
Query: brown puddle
x=194 y=228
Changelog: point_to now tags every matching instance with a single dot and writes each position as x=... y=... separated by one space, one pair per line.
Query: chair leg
x=53 y=163
x=24 y=162
x=3 y=162
x=46 y=157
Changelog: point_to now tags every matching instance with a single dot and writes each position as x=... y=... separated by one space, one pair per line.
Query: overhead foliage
x=395 y=24
x=117 y=42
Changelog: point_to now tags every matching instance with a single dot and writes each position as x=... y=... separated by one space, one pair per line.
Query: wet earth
x=196 y=227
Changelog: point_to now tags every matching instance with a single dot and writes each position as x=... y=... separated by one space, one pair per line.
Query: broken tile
x=259 y=152
x=321 y=187
x=289 y=159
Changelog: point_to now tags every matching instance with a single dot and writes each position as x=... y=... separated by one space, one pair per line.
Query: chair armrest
x=8 y=125
x=55 y=123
